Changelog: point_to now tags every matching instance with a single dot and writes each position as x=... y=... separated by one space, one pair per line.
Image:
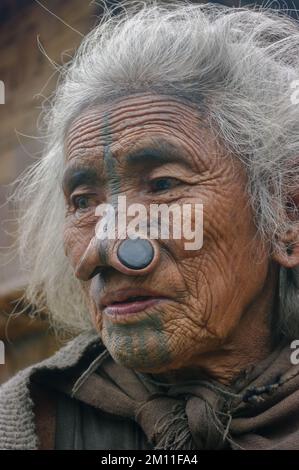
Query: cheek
x=96 y=318
x=95 y=314
x=229 y=279
x=214 y=274
x=76 y=239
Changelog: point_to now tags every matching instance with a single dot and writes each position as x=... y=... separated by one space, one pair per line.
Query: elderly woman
x=174 y=348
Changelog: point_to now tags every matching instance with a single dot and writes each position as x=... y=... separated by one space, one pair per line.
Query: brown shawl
x=260 y=410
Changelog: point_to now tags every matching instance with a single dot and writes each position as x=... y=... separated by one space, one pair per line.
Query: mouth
x=130 y=301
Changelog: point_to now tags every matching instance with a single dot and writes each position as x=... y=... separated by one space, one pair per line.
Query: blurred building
x=27 y=29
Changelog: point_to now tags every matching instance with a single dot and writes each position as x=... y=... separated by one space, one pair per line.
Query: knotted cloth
x=199 y=414
x=179 y=418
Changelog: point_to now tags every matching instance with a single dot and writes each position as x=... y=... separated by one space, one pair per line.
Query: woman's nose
x=134 y=257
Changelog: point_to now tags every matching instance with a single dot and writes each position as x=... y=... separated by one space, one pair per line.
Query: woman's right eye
x=81 y=202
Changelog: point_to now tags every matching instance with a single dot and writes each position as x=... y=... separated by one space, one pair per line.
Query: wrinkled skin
x=214 y=319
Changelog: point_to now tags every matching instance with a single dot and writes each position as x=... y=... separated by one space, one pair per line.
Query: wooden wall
x=28 y=76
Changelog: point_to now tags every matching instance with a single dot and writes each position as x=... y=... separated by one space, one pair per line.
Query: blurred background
x=34 y=35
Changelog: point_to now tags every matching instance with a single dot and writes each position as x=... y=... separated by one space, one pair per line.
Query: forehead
x=128 y=120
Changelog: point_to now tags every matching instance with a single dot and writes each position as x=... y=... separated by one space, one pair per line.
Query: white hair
x=236 y=64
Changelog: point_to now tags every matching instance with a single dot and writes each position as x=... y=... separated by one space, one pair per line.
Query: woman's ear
x=287 y=251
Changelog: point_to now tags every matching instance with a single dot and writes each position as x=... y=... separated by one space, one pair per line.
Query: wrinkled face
x=157 y=149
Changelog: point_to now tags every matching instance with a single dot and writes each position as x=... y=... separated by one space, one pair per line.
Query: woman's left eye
x=163 y=184
x=81 y=202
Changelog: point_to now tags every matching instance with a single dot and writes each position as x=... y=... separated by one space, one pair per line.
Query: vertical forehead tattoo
x=112 y=177
x=109 y=160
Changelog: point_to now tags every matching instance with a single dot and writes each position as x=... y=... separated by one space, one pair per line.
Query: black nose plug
x=135 y=253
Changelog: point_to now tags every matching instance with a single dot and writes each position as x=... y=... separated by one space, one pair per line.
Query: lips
x=130 y=301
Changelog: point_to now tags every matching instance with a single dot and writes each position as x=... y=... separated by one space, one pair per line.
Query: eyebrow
x=160 y=154
x=74 y=177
